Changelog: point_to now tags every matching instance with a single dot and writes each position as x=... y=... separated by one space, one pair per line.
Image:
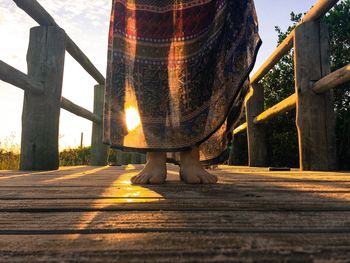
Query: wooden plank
x=79 y=111
x=315 y=113
x=175 y=221
x=240 y=128
x=99 y=151
x=247 y=202
x=333 y=80
x=236 y=152
x=84 y=61
x=315 y=13
x=178 y=247
x=319 y=10
x=42 y=17
x=40 y=118
x=275 y=57
x=19 y=79
x=97 y=216
x=263 y=190
x=278 y=109
x=256 y=135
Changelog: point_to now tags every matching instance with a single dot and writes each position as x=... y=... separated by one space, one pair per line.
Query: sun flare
x=132 y=118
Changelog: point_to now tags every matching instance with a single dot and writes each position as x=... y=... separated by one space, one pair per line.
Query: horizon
x=85 y=26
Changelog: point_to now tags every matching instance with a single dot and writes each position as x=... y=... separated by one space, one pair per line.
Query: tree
x=279 y=84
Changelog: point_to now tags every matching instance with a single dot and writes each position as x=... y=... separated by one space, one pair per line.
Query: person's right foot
x=154 y=171
x=192 y=171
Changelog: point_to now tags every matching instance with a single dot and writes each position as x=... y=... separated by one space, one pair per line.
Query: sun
x=132 y=118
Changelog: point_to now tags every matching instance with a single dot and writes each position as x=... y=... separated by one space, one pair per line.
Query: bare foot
x=154 y=171
x=192 y=171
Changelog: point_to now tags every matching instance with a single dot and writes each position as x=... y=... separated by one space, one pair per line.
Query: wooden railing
x=315 y=118
x=43 y=88
x=313 y=98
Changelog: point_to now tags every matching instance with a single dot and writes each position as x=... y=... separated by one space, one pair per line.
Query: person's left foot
x=154 y=171
x=192 y=171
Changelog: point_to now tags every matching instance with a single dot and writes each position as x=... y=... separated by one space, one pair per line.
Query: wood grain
x=94 y=214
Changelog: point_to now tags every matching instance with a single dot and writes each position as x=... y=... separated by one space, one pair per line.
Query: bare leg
x=192 y=171
x=154 y=171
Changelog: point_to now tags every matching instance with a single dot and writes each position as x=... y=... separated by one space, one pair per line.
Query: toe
x=213 y=179
x=156 y=180
x=134 y=179
x=193 y=179
x=144 y=180
x=139 y=179
x=205 y=179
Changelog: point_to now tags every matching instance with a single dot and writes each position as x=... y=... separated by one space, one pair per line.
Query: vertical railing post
x=235 y=152
x=40 y=118
x=256 y=135
x=99 y=151
x=315 y=118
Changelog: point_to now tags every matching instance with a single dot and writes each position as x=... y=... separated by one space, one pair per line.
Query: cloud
x=86 y=22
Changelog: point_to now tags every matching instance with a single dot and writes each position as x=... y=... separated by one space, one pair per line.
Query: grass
x=9 y=160
x=76 y=156
x=9 y=157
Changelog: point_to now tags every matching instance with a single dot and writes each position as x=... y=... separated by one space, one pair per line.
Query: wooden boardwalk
x=93 y=214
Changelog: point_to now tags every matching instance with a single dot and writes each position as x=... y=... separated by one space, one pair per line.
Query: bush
x=77 y=156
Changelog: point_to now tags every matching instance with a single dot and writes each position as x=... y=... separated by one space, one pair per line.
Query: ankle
x=158 y=158
x=190 y=157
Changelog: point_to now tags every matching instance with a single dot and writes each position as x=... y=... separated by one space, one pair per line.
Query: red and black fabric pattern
x=176 y=73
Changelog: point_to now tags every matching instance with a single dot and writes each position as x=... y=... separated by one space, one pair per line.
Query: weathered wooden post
x=136 y=158
x=315 y=113
x=257 y=145
x=99 y=151
x=235 y=151
x=40 y=118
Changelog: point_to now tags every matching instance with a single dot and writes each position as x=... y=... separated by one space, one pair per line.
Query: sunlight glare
x=132 y=118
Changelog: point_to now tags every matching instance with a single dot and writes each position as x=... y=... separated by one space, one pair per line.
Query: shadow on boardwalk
x=94 y=214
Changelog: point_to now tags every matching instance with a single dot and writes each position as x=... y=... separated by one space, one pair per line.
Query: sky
x=86 y=22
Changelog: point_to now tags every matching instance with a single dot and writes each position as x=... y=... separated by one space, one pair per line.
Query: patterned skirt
x=177 y=74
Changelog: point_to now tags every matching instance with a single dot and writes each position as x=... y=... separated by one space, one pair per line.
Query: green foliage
x=9 y=160
x=78 y=156
x=9 y=153
x=279 y=84
x=339 y=24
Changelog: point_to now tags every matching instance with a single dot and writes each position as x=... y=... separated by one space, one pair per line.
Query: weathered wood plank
x=278 y=109
x=279 y=52
x=99 y=151
x=42 y=17
x=315 y=13
x=79 y=111
x=177 y=247
x=319 y=10
x=252 y=214
x=84 y=61
x=329 y=202
x=240 y=128
x=19 y=79
x=315 y=113
x=40 y=118
x=333 y=80
x=257 y=141
x=217 y=221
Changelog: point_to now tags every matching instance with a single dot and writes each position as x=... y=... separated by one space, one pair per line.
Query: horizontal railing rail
x=43 y=18
x=17 y=78
x=315 y=13
x=20 y=80
x=255 y=114
x=79 y=111
x=43 y=87
x=331 y=81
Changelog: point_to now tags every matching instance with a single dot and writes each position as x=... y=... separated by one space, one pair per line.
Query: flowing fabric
x=177 y=73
